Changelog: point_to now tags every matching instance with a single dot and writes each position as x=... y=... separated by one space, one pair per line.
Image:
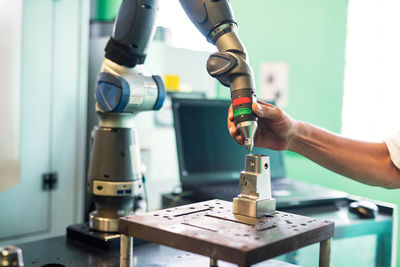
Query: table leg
x=383 y=249
x=213 y=262
x=325 y=253
x=126 y=251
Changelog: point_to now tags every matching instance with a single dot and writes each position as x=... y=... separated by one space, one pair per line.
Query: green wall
x=105 y=10
x=310 y=36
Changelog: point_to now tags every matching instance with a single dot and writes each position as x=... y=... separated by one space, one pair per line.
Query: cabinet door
x=52 y=121
x=25 y=207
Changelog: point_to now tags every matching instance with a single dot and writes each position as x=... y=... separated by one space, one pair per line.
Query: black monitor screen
x=206 y=151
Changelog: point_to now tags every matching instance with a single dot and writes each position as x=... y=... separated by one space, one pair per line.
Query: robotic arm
x=215 y=20
x=134 y=29
x=123 y=90
x=122 y=86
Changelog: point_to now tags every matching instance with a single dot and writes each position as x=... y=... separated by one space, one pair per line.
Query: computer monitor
x=206 y=151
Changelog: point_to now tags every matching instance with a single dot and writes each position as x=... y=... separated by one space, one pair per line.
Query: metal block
x=253 y=207
x=211 y=229
x=255 y=198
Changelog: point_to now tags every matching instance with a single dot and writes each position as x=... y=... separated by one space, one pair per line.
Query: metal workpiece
x=210 y=229
x=11 y=256
x=255 y=199
x=253 y=207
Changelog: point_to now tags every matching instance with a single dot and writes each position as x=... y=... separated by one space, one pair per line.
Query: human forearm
x=365 y=162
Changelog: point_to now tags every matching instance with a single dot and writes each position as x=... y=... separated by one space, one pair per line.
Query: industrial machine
x=123 y=90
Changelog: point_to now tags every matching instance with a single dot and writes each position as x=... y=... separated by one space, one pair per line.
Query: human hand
x=275 y=128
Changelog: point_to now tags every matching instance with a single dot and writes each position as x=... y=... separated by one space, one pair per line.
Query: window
x=184 y=33
x=371 y=104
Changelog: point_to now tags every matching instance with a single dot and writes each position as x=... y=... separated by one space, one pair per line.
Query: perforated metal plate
x=209 y=228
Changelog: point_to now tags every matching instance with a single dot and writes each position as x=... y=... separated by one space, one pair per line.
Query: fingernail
x=259 y=107
x=231 y=130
